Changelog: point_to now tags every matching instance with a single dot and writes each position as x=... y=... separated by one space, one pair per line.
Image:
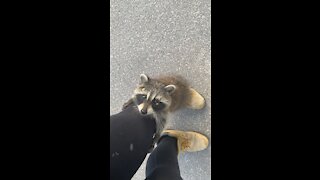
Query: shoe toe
x=199 y=143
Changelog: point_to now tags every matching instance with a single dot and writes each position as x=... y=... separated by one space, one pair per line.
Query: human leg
x=130 y=138
x=163 y=161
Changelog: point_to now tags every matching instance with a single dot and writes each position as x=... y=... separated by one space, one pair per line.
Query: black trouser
x=163 y=161
x=130 y=138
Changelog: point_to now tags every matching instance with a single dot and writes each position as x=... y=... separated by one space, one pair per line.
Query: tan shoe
x=196 y=100
x=188 y=141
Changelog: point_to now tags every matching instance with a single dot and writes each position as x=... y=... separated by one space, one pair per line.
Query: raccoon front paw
x=127 y=104
x=124 y=106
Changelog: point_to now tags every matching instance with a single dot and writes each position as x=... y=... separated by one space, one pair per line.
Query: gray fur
x=170 y=88
x=144 y=78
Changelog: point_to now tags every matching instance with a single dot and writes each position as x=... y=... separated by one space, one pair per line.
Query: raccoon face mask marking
x=141 y=98
x=151 y=96
x=148 y=106
x=157 y=105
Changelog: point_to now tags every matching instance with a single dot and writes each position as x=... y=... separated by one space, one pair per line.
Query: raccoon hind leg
x=195 y=100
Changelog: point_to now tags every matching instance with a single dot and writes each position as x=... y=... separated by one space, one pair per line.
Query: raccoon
x=160 y=96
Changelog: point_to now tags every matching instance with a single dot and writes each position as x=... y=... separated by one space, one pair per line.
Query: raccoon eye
x=157 y=105
x=140 y=98
x=157 y=102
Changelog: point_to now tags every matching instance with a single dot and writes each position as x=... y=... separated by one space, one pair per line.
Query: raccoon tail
x=195 y=101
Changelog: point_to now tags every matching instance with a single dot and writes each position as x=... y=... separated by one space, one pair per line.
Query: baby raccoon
x=162 y=95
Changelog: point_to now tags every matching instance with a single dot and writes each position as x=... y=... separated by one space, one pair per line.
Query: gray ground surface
x=158 y=37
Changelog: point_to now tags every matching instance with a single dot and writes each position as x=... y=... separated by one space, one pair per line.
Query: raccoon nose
x=143 y=111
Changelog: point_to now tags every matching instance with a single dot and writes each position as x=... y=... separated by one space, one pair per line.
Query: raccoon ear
x=170 y=88
x=143 y=78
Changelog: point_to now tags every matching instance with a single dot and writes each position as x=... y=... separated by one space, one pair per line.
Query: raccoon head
x=151 y=96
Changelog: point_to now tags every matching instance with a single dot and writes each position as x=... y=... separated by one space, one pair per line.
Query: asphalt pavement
x=164 y=36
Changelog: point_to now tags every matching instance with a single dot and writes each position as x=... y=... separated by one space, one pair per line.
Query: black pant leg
x=130 y=138
x=163 y=161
